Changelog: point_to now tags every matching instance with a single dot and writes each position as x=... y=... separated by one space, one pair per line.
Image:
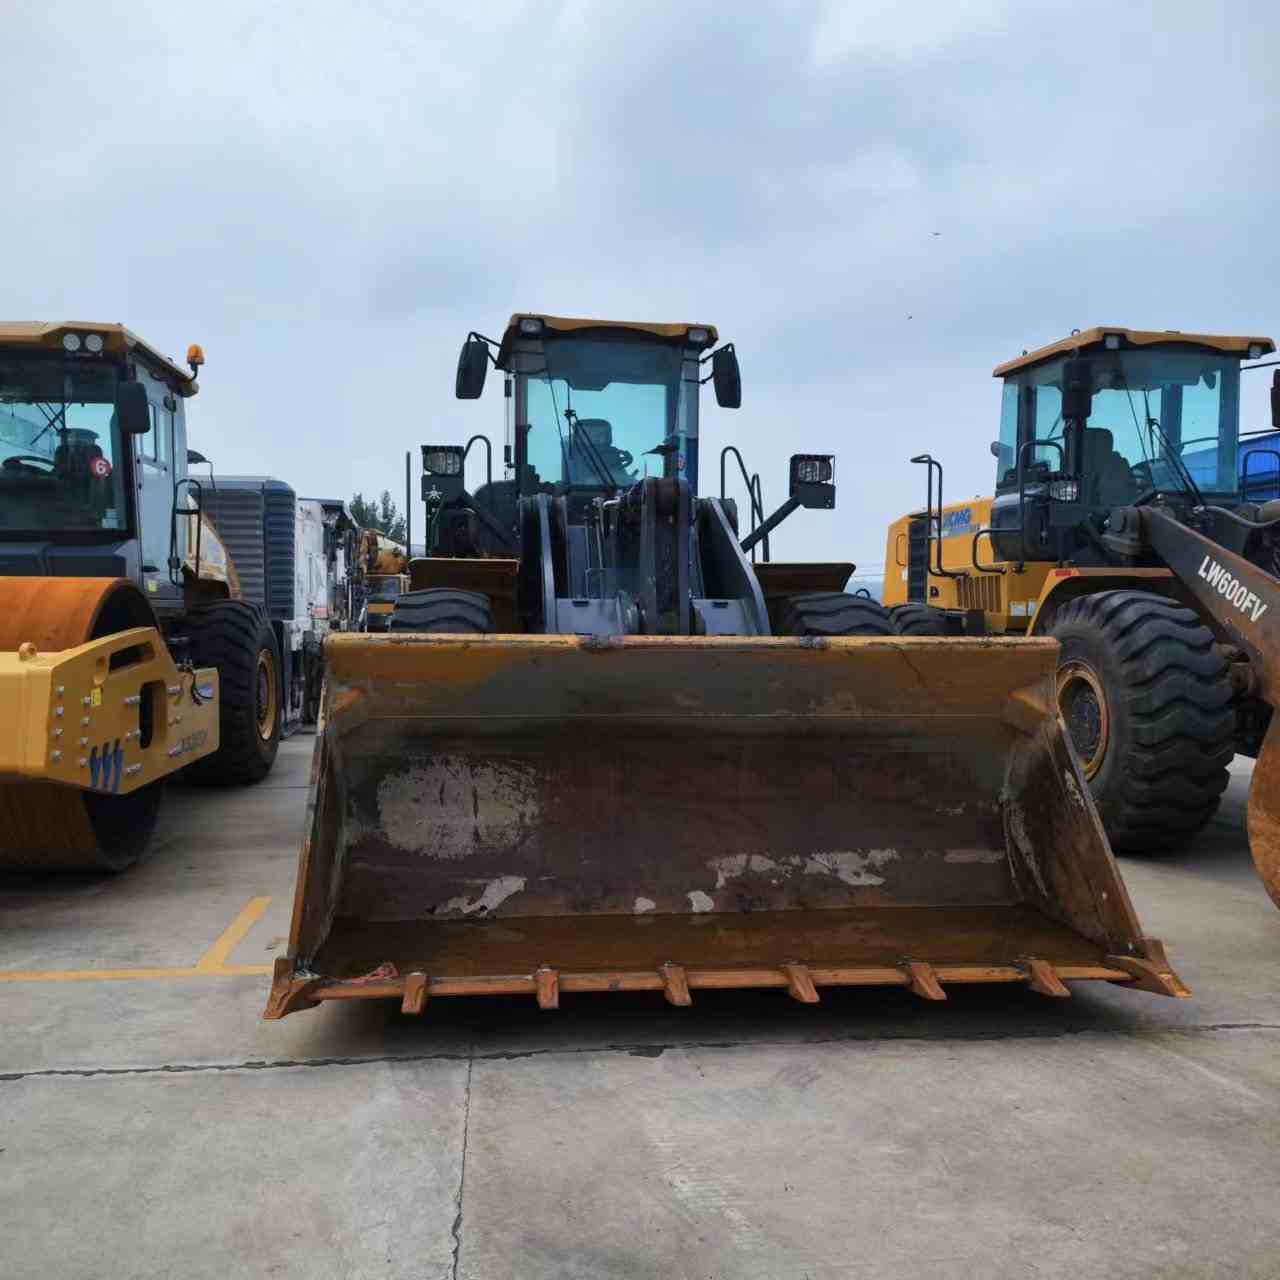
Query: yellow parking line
x=91 y=975
x=217 y=956
x=213 y=964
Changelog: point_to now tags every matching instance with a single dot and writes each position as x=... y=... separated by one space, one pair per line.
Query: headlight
x=813 y=470
x=442 y=459
x=71 y=342
x=698 y=336
x=1255 y=351
x=1111 y=341
x=93 y=343
x=1064 y=490
x=531 y=326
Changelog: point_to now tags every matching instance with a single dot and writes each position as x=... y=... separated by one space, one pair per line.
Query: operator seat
x=1108 y=480
x=579 y=460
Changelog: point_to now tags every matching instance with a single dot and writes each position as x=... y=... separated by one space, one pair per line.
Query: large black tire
x=834 y=613
x=1147 y=702
x=918 y=620
x=235 y=637
x=439 y=611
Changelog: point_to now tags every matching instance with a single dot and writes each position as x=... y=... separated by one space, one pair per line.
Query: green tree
x=380 y=514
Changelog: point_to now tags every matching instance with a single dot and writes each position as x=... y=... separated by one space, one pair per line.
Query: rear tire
x=918 y=620
x=234 y=637
x=1147 y=703
x=439 y=611
x=834 y=613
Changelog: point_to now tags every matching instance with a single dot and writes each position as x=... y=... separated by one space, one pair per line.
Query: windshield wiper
x=590 y=452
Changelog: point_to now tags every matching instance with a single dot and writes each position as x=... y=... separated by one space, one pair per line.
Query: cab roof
x=1091 y=339
x=570 y=324
x=116 y=340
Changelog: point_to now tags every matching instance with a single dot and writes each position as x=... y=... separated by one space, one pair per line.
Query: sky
x=875 y=202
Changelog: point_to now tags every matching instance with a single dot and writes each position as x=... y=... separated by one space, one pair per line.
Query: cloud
x=329 y=196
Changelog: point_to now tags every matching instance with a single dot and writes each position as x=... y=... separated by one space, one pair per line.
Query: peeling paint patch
x=849 y=866
x=496 y=892
x=643 y=905
x=700 y=901
x=1073 y=789
x=1022 y=841
x=973 y=855
x=445 y=807
x=734 y=865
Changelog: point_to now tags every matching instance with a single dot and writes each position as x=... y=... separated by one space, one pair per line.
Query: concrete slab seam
x=638 y=1050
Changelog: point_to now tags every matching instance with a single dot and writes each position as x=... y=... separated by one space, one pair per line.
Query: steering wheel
x=19 y=462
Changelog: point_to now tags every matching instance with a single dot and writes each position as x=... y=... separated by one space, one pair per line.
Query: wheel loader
x=1131 y=522
x=126 y=650
x=599 y=749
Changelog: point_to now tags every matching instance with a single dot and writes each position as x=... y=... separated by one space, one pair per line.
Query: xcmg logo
x=1232 y=589
x=106 y=766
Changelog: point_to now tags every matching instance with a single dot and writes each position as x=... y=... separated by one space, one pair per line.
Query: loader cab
x=1108 y=418
x=593 y=406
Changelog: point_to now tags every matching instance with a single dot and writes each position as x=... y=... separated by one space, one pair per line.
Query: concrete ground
x=152 y=1125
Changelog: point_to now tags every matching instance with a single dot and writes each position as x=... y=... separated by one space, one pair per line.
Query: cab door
x=154 y=467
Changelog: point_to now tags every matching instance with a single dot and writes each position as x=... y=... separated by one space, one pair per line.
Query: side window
x=157 y=444
x=164 y=435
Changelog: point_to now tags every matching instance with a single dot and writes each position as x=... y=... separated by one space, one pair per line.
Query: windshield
x=599 y=407
x=1157 y=418
x=59 y=447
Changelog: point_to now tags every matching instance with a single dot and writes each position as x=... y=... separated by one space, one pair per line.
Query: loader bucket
x=549 y=814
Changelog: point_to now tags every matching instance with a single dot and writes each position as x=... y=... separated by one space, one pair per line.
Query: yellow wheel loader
x=126 y=653
x=600 y=749
x=1138 y=526
x=383 y=576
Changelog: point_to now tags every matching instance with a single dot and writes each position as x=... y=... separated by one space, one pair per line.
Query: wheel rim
x=266 y=696
x=1083 y=706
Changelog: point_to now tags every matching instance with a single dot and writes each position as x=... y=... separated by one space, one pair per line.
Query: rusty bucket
x=549 y=814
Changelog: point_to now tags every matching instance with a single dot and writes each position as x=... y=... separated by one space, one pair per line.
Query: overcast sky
x=328 y=196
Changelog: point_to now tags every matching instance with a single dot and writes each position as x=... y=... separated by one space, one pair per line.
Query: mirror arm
x=764 y=530
x=495 y=346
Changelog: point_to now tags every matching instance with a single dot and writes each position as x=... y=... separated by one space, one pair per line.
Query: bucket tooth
x=675 y=984
x=800 y=983
x=415 y=993
x=547 y=982
x=923 y=981
x=1043 y=978
x=1153 y=972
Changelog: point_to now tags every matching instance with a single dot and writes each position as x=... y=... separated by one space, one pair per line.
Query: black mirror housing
x=727 y=377
x=133 y=410
x=473 y=366
x=1275 y=400
x=813 y=480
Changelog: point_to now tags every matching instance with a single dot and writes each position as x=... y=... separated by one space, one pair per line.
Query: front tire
x=440 y=611
x=1147 y=703
x=918 y=620
x=834 y=613
x=234 y=637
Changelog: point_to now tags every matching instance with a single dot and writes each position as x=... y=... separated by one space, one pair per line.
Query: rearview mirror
x=1077 y=398
x=727 y=378
x=1275 y=400
x=133 y=411
x=995 y=449
x=473 y=365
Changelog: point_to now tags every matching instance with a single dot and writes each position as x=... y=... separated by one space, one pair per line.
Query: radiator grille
x=979 y=593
